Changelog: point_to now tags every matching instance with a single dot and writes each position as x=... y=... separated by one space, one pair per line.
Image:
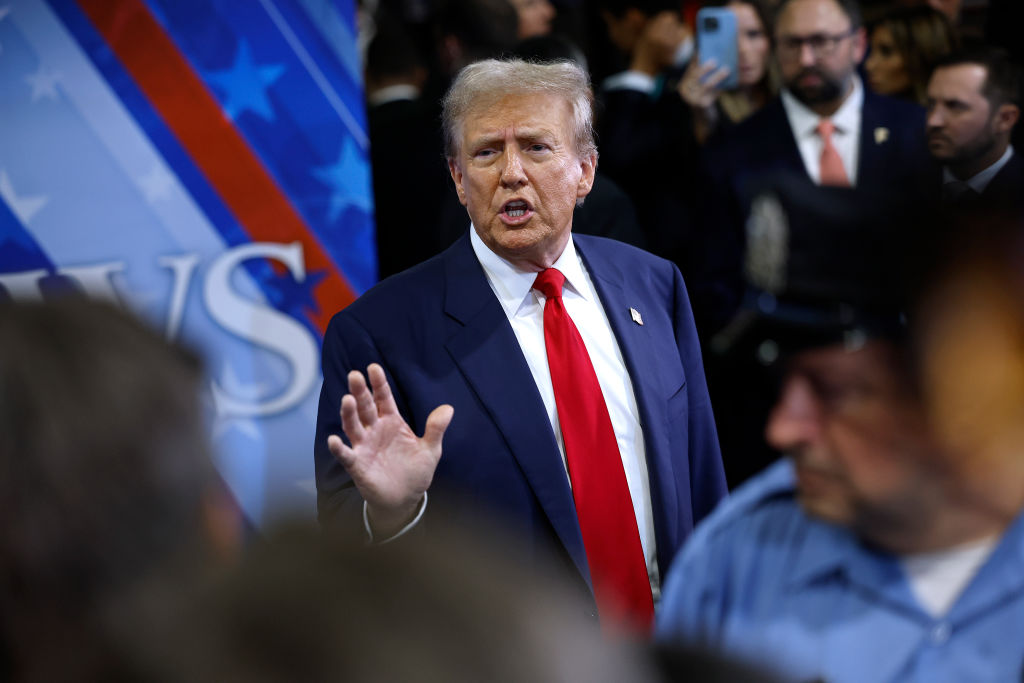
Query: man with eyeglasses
x=825 y=128
x=866 y=554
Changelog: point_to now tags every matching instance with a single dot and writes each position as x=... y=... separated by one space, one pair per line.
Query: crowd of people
x=662 y=381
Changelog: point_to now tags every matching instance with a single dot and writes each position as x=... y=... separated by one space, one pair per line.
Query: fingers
x=382 y=396
x=351 y=424
x=717 y=77
x=437 y=423
x=363 y=398
x=340 y=451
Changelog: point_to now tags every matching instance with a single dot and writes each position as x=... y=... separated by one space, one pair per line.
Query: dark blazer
x=443 y=337
x=893 y=158
x=1006 y=189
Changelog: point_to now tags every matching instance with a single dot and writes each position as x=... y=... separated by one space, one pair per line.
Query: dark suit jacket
x=443 y=337
x=1006 y=190
x=410 y=177
x=893 y=158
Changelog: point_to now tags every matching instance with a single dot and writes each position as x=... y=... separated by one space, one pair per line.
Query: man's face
x=856 y=435
x=960 y=122
x=817 y=51
x=519 y=176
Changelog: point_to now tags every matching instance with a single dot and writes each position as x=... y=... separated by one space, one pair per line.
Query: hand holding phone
x=716 y=43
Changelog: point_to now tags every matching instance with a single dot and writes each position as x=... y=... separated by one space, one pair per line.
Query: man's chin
x=814 y=95
x=824 y=508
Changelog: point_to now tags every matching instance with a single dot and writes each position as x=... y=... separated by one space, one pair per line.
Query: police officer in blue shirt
x=861 y=555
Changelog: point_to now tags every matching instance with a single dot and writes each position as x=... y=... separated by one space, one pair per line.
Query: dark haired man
x=973 y=105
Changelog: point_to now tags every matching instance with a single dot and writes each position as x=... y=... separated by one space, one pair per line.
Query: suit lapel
x=485 y=349
x=785 y=151
x=649 y=382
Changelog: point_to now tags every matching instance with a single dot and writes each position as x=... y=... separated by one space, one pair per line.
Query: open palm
x=388 y=463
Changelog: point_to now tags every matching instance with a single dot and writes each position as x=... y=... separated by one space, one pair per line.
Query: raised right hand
x=390 y=466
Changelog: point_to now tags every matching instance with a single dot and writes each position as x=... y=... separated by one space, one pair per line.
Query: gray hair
x=486 y=81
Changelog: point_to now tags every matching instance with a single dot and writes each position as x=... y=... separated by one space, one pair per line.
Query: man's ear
x=453 y=168
x=588 y=164
x=1006 y=117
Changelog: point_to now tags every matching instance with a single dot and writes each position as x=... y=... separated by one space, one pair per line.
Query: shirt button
x=941 y=632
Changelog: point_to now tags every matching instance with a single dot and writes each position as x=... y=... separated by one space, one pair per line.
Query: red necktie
x=832 y=171
x=603 y=505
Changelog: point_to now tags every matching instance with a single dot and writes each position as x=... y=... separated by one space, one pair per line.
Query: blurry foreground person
x=860 y=556
x=972 y=346
x=905 y=45
x=106 y=482
x=454 y=609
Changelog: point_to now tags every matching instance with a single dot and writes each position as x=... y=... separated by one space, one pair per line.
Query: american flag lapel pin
x=635 y=315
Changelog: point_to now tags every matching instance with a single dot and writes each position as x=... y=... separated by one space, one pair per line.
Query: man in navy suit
x=825 y=128
x=973 y=105
x=467 y=328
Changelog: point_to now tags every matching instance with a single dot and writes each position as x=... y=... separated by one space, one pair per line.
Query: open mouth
x=517 y=210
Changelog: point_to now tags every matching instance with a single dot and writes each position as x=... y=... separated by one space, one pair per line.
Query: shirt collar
x=512 y=284
x=804 y=121
x=979 y=181
x=393 y=93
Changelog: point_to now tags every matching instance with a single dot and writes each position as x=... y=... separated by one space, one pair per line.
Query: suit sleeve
x=707 y=476
x=347 y=346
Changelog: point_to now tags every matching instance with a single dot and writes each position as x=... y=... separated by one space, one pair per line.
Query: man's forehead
x=808 y=16
x=958 y=80
x=527 y=115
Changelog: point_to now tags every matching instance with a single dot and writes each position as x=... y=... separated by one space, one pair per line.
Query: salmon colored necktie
x=832 y=171
x=603 y=504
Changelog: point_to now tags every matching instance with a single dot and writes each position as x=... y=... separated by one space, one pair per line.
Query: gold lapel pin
x=881 y=135
x=635 y=315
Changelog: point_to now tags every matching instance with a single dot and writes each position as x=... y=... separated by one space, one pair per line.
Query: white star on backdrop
x=156 y=184
x=24 y=208
x=44 y=83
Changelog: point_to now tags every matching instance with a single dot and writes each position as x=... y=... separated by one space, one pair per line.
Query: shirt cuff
x=404 y=530
x=630 y=80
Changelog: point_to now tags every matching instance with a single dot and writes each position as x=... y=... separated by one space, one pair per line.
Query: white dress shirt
x=846 y=138
x=524 y=307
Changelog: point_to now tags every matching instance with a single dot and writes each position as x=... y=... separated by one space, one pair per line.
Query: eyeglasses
x=821 y=44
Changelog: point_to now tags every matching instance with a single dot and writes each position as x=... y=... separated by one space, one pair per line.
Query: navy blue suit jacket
x=443 y=337
x=893 y=158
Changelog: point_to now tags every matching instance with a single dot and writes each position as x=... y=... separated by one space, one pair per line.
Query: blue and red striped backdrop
x=204 y=163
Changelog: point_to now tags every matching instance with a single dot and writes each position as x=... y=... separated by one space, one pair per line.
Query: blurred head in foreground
x=971 y=344
x=105 y=478
x=452 y=609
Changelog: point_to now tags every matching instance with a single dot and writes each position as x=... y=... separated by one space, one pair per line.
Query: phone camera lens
x=711 y=23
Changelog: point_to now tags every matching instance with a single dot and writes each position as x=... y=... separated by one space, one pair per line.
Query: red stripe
x=215 y=145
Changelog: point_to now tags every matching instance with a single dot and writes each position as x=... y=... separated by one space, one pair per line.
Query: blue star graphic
x=349 y=181
x=245 y=84
x=290 y=296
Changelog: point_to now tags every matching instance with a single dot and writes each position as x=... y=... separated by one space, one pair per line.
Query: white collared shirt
x=393 y=93
x=846 y=138
x=979 y=181
x=631 y=80
x=524 y=308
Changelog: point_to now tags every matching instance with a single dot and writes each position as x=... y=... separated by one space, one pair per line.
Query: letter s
x=262 y=325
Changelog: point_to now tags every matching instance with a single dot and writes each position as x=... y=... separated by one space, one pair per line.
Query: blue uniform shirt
x=761 y=580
